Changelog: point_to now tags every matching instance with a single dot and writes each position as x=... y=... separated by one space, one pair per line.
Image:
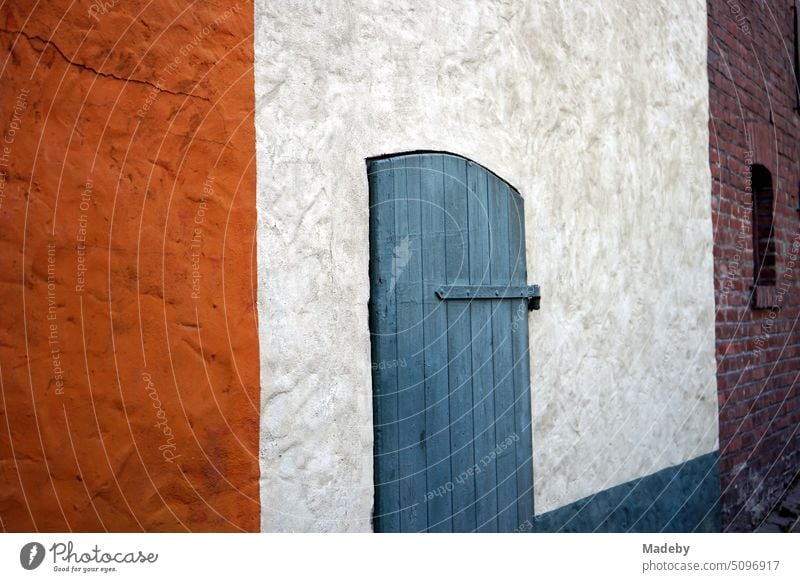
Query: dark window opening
x=764 y=271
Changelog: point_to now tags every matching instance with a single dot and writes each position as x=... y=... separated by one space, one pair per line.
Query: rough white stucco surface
x=597 y=112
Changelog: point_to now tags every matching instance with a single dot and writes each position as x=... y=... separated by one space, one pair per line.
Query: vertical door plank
x=505 y=431
x=482 y=372
x=437 y=415
x=521 y=363
x=407 y=260
x=383 y=327
x=458 y=340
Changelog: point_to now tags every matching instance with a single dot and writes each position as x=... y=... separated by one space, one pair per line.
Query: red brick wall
x=129 y=369
x=753 y=120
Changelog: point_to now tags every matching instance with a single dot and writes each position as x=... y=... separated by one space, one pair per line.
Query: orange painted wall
x=128 y=343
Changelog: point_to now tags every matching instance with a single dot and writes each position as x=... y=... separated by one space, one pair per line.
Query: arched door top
x=372 y=161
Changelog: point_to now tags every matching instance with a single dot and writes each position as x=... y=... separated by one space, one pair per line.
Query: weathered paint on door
x=451 y=384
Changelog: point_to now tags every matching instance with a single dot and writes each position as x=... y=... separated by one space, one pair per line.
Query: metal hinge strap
x=529 y=292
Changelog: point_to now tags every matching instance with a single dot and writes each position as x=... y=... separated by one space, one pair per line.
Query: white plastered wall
x=597 y=112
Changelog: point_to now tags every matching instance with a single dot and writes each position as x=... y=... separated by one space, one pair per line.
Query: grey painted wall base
x=683 y=498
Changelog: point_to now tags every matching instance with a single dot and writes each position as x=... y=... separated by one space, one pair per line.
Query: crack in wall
x=30 y=38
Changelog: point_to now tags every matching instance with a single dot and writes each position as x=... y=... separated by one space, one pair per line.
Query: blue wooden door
x=448 y=319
